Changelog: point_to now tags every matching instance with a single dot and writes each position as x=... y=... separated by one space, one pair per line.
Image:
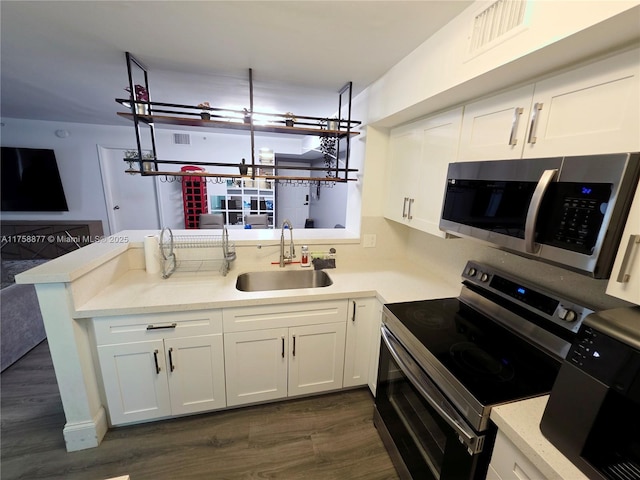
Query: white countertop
x=520 y=422
x=136 y=291
x=139 y=292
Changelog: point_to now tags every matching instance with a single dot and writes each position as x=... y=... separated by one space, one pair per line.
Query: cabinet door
x=135 y=381
x=359 y=330
x=440 y=141
x=625 y=276
x=509 y=463
x=404 y=159
x=495 y=128
x=589 y=110
x=316 y=360
x=196 y=373
x=256 y=365
x=374 y=353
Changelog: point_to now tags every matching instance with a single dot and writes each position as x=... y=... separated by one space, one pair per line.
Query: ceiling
x=65 y=60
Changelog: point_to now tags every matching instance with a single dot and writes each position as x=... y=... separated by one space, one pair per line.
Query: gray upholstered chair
x=212 y=220
x=257 y=221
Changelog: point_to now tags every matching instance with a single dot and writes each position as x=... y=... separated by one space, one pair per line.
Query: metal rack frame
x=168 y=243
x=177 y=114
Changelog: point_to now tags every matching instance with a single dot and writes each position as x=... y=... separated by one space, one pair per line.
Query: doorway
x=131 y=200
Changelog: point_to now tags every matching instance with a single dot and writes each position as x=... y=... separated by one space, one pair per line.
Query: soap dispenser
x=304 y=259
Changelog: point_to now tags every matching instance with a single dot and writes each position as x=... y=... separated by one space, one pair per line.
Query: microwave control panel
x=575 y=213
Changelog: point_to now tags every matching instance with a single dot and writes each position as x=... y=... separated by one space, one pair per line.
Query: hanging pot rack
x=150 y=113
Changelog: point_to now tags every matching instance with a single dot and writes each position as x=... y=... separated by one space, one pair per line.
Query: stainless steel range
x=445 y=363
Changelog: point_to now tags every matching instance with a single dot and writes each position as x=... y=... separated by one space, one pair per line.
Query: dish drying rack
x=198 y=252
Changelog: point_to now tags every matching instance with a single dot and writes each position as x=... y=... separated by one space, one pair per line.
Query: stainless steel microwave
x=569 y=211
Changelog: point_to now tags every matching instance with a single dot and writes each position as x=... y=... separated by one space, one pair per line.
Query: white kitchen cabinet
x=360 y=324
x=275 y=363
x=256 y=365
x=135 y=381
x=494 y=128
x=374 y=351
x=509 y=463
x=196 y=373
x=316 y=360
x=419 y=155
x=625 y=275
x=403 y=172
x=275 y=351
x=587 y=110
x=150 y=370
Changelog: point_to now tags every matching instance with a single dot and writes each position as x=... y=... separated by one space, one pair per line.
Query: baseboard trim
x=84 y=435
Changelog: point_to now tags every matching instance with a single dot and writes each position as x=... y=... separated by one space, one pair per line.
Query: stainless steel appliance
x=445 y=363
x=593 y=412
x=569 y=211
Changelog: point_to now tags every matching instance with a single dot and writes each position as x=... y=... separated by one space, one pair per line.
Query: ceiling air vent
x=494 y=22
x=181 y=139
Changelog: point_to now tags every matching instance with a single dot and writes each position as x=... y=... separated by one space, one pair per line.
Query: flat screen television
x=30 y=181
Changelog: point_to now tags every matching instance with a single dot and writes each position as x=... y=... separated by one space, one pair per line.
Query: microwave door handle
x=534 y=208
x=432 y=395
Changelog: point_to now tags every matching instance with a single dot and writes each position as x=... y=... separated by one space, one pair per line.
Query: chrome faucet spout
x=292 y=250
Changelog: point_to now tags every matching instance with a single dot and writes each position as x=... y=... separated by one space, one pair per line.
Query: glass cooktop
x=492 y=363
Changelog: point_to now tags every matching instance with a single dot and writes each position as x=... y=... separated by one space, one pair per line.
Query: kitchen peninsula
x=107 y=281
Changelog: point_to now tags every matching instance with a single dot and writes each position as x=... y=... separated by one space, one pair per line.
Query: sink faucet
x=292 y=249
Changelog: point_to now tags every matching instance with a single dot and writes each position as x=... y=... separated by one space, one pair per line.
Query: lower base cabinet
x=157 y=366
x=160 y=378
x=509 y=463
x=361 y=325
x=275 y=363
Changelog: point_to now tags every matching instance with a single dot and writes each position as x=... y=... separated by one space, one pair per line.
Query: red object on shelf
x=194 y=197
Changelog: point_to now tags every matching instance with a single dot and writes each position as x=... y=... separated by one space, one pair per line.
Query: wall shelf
x=230 y=125
x=332 y=131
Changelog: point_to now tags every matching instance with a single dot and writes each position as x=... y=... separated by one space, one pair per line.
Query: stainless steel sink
x=282 y=280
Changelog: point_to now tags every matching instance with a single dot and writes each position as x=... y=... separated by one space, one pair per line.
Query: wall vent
x=181 y=139
x=496 y=21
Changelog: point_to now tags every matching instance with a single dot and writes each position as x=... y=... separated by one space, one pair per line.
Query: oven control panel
x=563 y=312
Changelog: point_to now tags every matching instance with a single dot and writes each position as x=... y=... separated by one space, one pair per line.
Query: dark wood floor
x=325 y=437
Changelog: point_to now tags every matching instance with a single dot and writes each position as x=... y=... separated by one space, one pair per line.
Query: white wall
x=77 y=157
x=440 y=72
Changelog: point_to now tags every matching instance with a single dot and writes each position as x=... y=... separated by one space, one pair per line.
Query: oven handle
x=432 y=395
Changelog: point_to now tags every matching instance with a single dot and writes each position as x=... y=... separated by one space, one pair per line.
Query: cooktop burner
x=475 y=360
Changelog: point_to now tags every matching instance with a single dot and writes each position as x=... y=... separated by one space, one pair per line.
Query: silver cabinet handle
x=404 y=207
x=409 y=216
x=155 y=359
x=161 y=327
x=624 y=274
x=533 y=127
x=534 y=207
x=513 y=138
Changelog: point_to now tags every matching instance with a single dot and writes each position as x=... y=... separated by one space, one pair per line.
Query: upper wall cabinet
x=588 y=110
x=625 y=276
x=419 y=154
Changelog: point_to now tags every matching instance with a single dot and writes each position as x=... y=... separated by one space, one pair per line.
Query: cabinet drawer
x=242 y=319
x=135 y=328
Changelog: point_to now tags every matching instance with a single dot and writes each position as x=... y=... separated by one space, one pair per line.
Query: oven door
x=426 y=437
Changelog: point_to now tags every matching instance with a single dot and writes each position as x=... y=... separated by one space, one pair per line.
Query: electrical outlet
x=369 y=240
